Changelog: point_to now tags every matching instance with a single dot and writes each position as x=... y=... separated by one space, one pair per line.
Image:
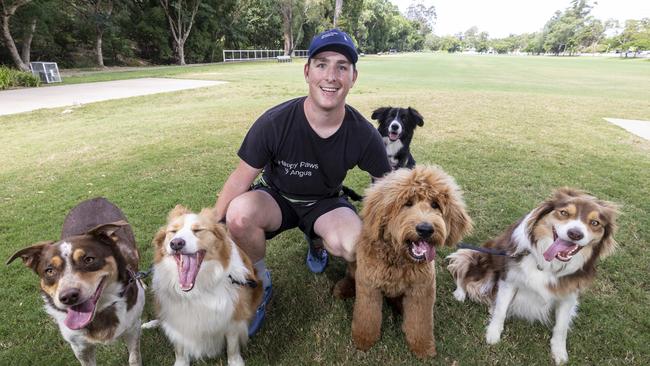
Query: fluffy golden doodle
x=406 y=215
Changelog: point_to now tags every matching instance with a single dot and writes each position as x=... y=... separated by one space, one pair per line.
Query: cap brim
x=341 y=48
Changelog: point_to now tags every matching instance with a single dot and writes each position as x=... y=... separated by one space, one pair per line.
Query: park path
x=29 y=99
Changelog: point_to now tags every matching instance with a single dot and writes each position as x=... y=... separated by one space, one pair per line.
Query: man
x=304 y=148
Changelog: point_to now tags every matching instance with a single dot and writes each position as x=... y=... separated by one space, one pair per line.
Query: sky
x=503 y=17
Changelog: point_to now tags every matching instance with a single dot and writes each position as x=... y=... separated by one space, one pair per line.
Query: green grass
x=509 y=129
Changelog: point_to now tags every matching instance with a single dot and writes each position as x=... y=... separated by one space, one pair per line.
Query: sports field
x=509 y=129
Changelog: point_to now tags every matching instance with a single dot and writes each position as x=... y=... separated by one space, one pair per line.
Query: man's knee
x=239 y=216
x=342 y=244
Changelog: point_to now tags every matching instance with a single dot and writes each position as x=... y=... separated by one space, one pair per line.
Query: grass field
x=509 y=129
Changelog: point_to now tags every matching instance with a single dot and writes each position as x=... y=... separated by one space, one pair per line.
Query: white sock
x=260 y=267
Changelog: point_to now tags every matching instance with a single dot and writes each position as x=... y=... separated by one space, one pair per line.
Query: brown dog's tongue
x=558 y=246
x=80 y=315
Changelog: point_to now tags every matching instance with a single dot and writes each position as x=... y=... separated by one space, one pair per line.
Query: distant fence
x=256 y=55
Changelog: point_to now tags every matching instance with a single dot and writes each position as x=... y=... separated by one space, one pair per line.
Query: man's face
x=330 y=76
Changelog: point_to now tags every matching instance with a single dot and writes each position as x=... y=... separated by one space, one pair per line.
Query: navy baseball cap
x=333 y=40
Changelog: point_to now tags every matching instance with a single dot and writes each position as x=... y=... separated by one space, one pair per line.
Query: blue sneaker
x=316 y=256
x=260 y=314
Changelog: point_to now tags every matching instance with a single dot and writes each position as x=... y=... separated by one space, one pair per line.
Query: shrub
x=12 y=78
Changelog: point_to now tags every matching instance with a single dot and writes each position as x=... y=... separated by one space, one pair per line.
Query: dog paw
x=493 y=334
x=424 y=350
x=235 y=361
x=460 y=294
x=560 y=355
x=151 y=324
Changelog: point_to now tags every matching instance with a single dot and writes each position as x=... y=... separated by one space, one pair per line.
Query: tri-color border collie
x=397 y=126
x=551 y=257
x=88 y=281
x=205 y=287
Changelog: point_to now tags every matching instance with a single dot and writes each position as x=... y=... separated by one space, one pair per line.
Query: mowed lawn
x=509 y=129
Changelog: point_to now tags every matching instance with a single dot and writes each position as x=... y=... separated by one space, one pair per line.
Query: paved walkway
x=29 y=99
x=639 y=128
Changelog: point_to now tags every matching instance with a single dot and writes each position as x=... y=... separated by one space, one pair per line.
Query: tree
x=180 y=15
x=426 y=16
x=9 y=8
x=98 y=14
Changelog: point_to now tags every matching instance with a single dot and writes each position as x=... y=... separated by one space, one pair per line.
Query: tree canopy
x=87 y=33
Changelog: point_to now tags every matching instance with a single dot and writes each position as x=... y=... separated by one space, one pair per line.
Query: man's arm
x=238 y=182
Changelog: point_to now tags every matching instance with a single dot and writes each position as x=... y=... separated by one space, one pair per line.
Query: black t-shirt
x=302 y=165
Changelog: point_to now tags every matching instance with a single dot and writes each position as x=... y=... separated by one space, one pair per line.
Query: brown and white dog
x=88 y=281
x=552 y=252
x=406 y=215
x=205 y=287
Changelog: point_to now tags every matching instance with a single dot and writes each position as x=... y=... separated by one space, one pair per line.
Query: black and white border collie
x=397 y=126
x=554 y=252
x=88 y=282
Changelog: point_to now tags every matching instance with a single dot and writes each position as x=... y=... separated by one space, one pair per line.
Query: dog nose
x=575 y=234
x=424 y=229
x=394 y=127
x=69 y=296
x=177 y=244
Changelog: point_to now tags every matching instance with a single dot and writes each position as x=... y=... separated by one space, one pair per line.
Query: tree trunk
x=287 y=20
x=337 y=11
x=27 y=42
x=7 y=39
x=180 y=51
x=98 y=48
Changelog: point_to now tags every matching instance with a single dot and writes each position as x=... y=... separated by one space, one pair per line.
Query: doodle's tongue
x=188 y=267
x=393 y=136
x=422 y=247
x=560 y=247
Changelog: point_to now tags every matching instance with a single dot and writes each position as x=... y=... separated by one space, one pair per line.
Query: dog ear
x=611 y=211
x=417 y=117
x=178 y=210
x=378 y=114
x=107 y=229
x=31 y=256
x=458 y=221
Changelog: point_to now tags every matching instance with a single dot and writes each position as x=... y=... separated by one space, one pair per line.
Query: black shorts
x=300 y=215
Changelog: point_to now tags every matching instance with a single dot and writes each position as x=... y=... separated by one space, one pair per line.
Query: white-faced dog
x=205 y=287
x=88 y=279
x=396 y=126
x=538 y=267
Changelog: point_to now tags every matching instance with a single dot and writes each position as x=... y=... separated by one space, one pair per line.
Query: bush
x=12 y=78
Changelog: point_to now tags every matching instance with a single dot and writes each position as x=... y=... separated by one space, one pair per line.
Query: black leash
x=490 y=251
x=135 y=276
x=249 y=283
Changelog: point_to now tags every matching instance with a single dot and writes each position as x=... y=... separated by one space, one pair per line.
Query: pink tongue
x=558 y=245
x=187 y=271
x=393 y=136
x=429 y=250
x=80 y=315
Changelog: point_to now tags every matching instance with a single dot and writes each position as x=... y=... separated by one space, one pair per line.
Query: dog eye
x=408 y=203
x=594 y=223
x=435 y=205
x=171 y=232
x=564 y=213
x=49 y=271
x=89 y=260
x=195 y=231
